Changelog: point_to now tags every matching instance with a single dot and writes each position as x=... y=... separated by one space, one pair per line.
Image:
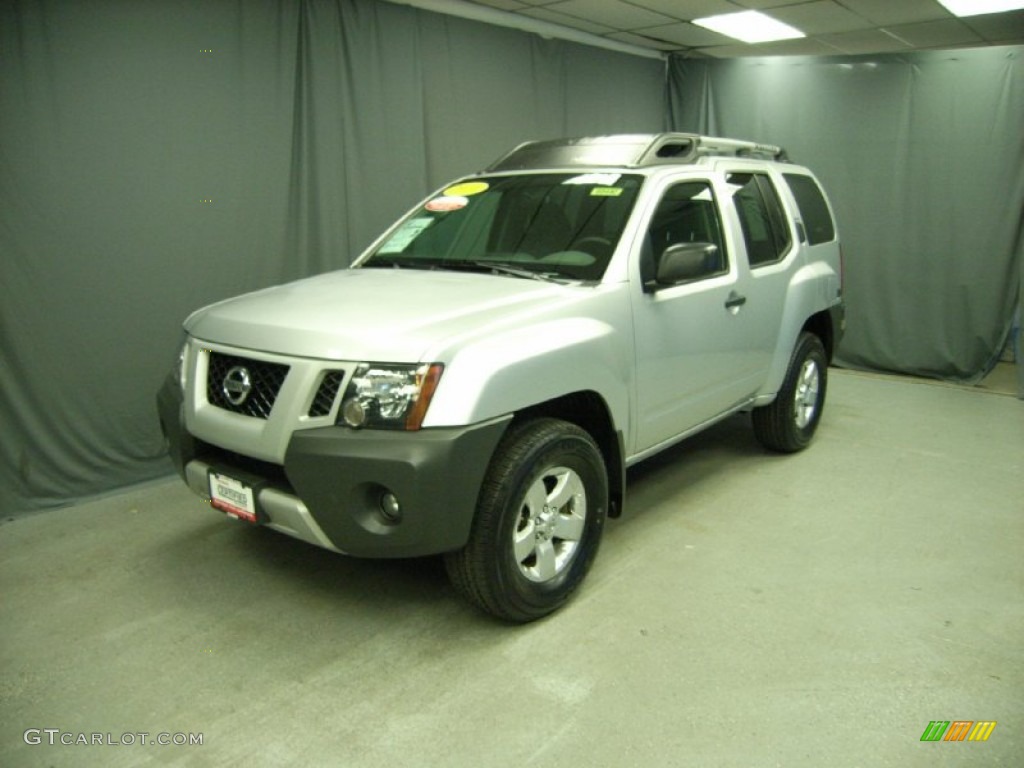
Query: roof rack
x=631 y=151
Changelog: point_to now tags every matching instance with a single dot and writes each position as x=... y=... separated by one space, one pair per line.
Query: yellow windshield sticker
x=467 y=189
x=606 y=191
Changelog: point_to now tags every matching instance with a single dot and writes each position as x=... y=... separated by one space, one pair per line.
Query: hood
x=393 y=315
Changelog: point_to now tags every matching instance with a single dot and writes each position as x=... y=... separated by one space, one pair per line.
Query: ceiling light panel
x=750 y=27
x=979 y=7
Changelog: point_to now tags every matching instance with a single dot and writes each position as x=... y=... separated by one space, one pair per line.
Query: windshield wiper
x=399 y=263
x=406 y=262
x=508 y=269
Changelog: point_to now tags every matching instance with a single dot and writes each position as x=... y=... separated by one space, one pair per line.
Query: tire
x=538 y=523
x=789 y=422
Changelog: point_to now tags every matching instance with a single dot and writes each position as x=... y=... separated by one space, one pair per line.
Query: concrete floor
x=750 y=610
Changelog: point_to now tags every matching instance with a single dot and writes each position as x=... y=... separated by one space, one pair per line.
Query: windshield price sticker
x=405 y=234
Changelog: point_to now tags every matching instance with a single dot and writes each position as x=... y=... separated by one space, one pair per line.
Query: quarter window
x=813 y=208
x=764 y=225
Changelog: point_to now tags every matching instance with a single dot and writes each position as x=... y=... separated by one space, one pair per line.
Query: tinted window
x=687 y=213
x=813 y=208
x=565 y=225
x=764 y=226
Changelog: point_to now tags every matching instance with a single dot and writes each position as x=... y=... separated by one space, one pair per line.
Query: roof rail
x=630 y=150
x=665 y=148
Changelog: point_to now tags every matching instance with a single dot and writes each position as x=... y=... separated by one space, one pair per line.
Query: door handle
x=735 y=301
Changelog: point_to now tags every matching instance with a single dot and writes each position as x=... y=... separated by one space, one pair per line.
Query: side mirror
x=684 y=262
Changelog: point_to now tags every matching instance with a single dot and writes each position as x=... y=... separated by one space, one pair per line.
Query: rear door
x=772 y=253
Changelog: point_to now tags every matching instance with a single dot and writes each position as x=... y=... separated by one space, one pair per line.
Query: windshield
x=562 y=226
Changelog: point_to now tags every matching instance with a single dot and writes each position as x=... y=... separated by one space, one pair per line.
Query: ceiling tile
x=634 y=39
x=882 y=12
x=553 y=17
x=760 y=5
x=832 y=26
x=688 y=10
x=864 y=41
x=503 y=5
x=934 y=34
x=611 y=13
x=802 y=47
x=819 y=17
x=686 y=34
x=998 y=27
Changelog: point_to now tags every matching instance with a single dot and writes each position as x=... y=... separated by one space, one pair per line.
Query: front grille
x=323 y=401
x=262 y=379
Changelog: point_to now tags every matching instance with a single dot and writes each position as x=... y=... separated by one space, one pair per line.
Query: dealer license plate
x=233 y=497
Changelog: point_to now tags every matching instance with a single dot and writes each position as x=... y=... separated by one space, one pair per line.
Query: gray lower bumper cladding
x=369 y=493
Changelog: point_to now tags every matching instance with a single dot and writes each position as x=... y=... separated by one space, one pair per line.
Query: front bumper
x=328 y=491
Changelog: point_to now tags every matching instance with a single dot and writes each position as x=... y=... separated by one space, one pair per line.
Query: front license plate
x=233 y=497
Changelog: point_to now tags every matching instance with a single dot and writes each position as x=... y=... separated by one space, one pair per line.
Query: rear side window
x=813 y=208
x=764 y=225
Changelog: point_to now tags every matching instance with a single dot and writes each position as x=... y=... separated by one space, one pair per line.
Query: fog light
x=390 y=508
x=353 y=412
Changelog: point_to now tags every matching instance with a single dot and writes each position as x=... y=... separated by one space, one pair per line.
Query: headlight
x=389 y=396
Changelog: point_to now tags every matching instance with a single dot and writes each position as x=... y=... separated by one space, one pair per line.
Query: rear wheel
x=789 y=423
x=538 y=522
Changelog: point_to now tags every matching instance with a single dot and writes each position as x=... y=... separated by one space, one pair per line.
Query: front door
x=694 y=340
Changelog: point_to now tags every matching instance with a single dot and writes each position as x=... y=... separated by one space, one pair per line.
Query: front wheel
x=538 y=522
x=788 y=423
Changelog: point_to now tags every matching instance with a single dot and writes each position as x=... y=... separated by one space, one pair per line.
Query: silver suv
x=477 y=382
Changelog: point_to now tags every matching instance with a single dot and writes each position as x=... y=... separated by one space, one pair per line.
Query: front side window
x=686 y=214
x=764 y=225
x=563 y=226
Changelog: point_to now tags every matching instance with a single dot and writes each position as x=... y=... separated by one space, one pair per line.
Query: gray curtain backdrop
x=155 y=157
x=158 y=156
x=923 y=157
